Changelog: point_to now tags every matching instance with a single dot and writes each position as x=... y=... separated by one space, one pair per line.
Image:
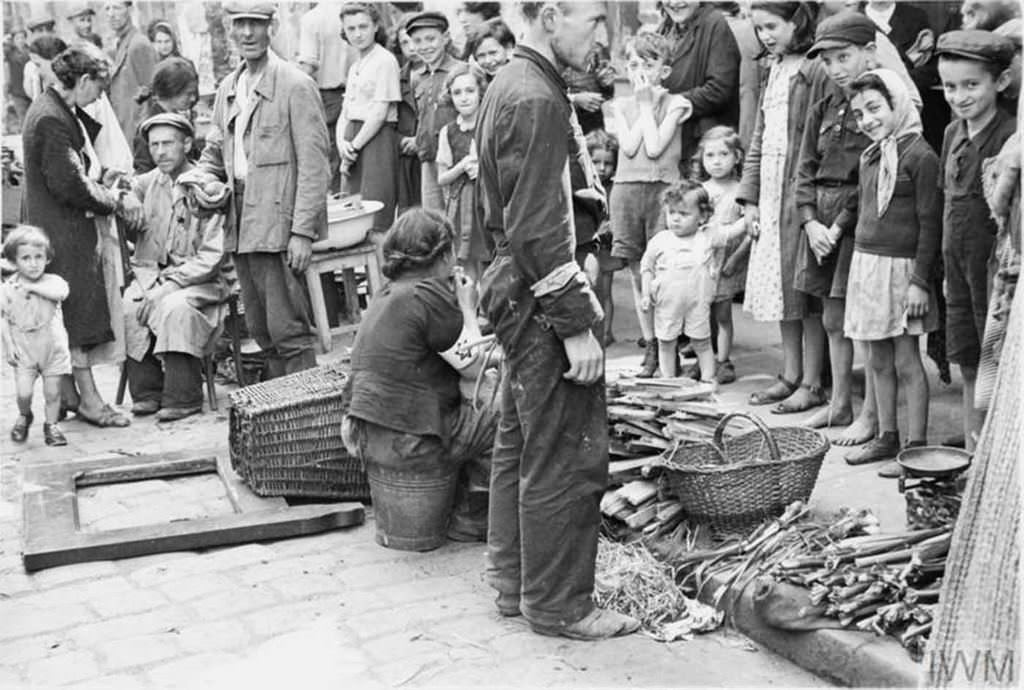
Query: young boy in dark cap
x=973 y=69
x=430 y=39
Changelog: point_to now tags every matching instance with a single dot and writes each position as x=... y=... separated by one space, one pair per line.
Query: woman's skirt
x=374 y=175
x=876 y=299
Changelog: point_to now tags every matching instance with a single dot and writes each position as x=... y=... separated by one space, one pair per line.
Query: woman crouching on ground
x=407 y=419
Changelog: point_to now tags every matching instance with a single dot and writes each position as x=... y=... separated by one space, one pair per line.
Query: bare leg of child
x=885 y=447
x=914 y=383
x=839 y=411
x=646 y=318
x=24 y=381
x=865 y=425
x=974 y=419
x=723 y=317
x=51 y=393
x=705 y=358
x=667 y=358
x=604 y=295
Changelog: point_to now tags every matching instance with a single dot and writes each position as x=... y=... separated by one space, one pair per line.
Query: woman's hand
x=752 y=214
x=588 y=100
x=646 y=302
x=348 y=151
x=465 y=291
x=408 y=146
x=917 y=302
x=818 y=237
x=470 y=165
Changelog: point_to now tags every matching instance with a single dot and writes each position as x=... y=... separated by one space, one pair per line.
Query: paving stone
x=423 y=588
x=138 y=651
x=303 y=586
x=374 y=624
x=334 y=541
x=376 y=577
x=10 y=679
x=157 y=571
x=185 y=672
x=165 y=619
x=232 y=603
x=112 y=682
x=25 y=649
x=85 y=591
x=286 y=567
x=194 y=586
x=405 y=644
x=215 y=636
x=62 y=668
x=234 y=556
x=52 y=577
x=23 y=620
x=288 y=617
x=129 y=601
x=15 y=583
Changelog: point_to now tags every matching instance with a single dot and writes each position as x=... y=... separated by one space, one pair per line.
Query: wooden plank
x=241 y=496
x=145 y=471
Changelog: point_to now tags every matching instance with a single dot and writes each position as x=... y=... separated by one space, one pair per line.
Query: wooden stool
x=365 y=254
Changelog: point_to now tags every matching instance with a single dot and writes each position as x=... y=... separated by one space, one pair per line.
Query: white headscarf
x=908 y=123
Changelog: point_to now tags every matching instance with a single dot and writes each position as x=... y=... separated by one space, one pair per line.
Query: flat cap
x=841 y=30
x=250 y=10
x=427 y=20
x=179 y=122
x=79 y=9
x=974 y=44
x=40 y=20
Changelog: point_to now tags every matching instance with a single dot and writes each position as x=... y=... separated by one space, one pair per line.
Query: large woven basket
x=732 y=484
x=285 y=437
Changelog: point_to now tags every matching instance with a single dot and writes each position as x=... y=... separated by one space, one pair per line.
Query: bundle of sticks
x=885 y=583
x=634 y=509
x=648 y=416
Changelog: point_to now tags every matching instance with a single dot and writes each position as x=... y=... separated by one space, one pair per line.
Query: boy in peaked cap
x=973 y=70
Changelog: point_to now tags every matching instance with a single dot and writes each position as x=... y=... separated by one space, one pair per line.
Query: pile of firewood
x=885 y=583
x=635 y=509
x=648 y=416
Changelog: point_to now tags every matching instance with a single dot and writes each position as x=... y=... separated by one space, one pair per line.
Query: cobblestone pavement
x=316 y=611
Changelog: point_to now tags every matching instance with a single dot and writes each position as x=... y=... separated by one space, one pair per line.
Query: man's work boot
x=599 y=624
x=649 y=367
x=183 y=387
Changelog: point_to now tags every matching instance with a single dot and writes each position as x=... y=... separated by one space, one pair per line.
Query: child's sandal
x=19 y=432
x=53 y=435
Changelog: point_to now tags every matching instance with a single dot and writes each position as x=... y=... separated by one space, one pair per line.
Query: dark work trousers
x=966 y=251
x=548 y=468
x=333 y=100
x=178 y=383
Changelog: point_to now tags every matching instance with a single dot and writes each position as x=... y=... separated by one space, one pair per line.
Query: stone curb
x=849 y=657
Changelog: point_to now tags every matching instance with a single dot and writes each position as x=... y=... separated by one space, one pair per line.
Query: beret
x=841 y=30
x=974 y=44
x=175 y=120
x=251 y=10
x=427 y=20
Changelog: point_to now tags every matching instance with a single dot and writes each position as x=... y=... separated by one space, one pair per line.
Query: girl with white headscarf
x=896 y=248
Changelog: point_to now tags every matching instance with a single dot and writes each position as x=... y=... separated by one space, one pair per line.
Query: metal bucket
x=411 y=510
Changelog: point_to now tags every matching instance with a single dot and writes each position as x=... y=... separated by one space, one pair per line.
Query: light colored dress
x=876 y=299
x=727 y=211
x=764 y=294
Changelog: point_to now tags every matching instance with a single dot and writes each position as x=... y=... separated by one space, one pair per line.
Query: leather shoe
x=19 y=432
x=144 y=408
x=53 y=435
x=171 y=414
x=599 y=624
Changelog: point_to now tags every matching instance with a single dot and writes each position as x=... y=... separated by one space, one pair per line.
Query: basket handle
x=773 y=447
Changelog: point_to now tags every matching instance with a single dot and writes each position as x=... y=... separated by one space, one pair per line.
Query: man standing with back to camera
x=550 y=461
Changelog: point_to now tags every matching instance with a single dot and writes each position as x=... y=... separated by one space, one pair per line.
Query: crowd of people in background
x=717 y=95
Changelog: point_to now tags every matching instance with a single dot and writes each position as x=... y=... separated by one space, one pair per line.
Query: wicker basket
x=735 y=483
x=285 y=438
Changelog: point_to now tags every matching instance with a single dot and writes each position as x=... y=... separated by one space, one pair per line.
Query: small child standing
x=604 y=151
x=896 y=247
x=647 y=124
x=973 y=69
x=678 y=275
x=35 y=342
x=719 y=161
x=457 y=164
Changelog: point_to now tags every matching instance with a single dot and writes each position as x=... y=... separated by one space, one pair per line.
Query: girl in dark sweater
x=896 y=247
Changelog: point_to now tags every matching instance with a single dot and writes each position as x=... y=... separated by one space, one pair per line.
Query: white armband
x=558 y=278
x=458 y=355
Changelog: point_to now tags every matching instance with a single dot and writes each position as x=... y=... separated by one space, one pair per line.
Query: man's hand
x=152 y=298
x=111 y=176
x=917 y=302
x=818 y=237
x=130 y=209
x=300 y=249
x=586 y=358
x=588 y=100
x=408 y=146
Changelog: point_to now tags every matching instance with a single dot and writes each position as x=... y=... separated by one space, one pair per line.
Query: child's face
x=845 y=64
x=490 y=55
x=465 y=94
x=604 y=163
x=652 y=70
x=969 y=87
x=31 y=261
x=773 y=31
x=429 y=44
x=874 y=115
x=719 y=160
x=684 y=218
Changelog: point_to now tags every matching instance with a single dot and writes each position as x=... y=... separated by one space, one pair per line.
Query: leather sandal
x=780 y=390
x=815 y=398
x=19 y=432
x=599 y=624
x=892 y=469
x=53 y=435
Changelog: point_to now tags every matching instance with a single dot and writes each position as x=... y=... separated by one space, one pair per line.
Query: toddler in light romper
x=34 y=339
x=678 y=275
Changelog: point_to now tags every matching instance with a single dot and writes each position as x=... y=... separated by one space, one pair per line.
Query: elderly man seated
x=182 y=276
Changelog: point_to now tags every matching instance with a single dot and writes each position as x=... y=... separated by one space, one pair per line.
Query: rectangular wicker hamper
x=285 y=437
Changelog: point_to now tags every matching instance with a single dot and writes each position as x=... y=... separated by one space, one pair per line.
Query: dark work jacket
x=433 y=107
x=62 y=200
x=524 y=199
x=911 y=226
x=705 y=66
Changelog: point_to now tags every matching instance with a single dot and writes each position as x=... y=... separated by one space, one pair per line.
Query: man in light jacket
x=134 y=62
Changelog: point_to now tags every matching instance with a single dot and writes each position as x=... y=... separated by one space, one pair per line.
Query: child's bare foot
x=861 y=431
x=828 y=417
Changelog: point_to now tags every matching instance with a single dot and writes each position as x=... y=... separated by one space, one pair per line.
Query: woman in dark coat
x=705 y=66
x=65 y=197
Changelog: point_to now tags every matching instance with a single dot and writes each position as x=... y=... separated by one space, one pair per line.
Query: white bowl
x=348 y=222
